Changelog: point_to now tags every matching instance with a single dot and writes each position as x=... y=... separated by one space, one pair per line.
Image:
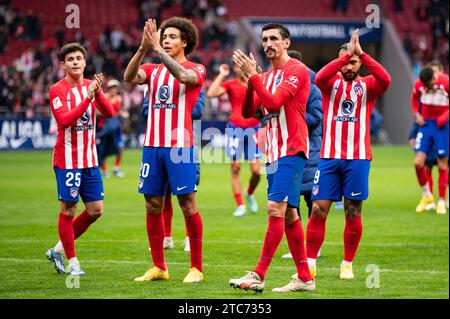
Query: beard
x=270 y=51
x=350 y=76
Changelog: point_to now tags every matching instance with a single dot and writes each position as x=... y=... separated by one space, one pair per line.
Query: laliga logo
x=85 y=117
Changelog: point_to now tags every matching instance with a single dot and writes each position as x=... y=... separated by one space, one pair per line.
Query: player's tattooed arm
x=132 y=73
x=177 y=70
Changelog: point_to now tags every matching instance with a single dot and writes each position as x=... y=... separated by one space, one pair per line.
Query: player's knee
x=274 y=209
x=352 y=211
x=443 y=164
x=419 y=162
x=153 y=206
x=318 y=211
x=96 y=212
x=235 y=169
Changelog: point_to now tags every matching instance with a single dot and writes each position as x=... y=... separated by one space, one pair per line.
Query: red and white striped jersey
x=434 y=102
x=347 y=108
x=74 y=113
x=282 y=95
x=169 y=121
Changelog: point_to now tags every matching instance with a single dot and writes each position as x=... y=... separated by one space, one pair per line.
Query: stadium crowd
x=24 y=85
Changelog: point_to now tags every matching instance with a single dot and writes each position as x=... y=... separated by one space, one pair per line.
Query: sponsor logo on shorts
x=315 y=190
x=74 y=192
x=356 y=194
x=181 y=188
x=141 y=183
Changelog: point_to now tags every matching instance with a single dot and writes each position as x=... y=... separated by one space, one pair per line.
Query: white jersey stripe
x=338 y=131
x=168 y=118
x=327 y=147
x=150 y=106
x=363 y=127
x=80 y=141
x=157 y=111
x=284 y=131
x=351 y=125
x=181 y=115
x=90 y=136
x=68 y=139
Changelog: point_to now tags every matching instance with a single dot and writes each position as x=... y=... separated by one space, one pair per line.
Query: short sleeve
x=226 y=85
x=200 y=71
x=148 y=69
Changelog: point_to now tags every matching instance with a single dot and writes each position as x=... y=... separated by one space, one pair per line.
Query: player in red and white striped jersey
x=282 y=94
x=73 y=101
x=430 y=106
x=173 y=89
x=348 y=101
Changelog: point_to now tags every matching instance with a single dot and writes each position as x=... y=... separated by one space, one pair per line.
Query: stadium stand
x=111 y=31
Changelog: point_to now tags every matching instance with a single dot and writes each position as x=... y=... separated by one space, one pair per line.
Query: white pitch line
x=250 y=242
x=288 y=268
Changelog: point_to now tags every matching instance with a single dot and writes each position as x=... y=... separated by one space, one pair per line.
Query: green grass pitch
x=410 y=250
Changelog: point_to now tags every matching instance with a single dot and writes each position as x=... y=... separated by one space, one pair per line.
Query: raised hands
x=224 y=70
x=95 y=85
x=150 y=36
x=354 y=46
x=245 y=63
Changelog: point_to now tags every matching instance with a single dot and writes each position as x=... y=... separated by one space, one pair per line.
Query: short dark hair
x=188 y=31
x=295 y=54
x=343 y=47
x=285 y=34
x=70 y=48
x=436 y=63
x=426 y=74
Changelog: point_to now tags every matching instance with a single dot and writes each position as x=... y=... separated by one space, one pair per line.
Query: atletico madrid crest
x=74 y=192
x=315 y=190
x=358 y=89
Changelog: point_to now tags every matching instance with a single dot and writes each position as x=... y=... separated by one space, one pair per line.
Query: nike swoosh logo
x=356 y=194
x=17 y=143
x=441 y=151
x=181 y=188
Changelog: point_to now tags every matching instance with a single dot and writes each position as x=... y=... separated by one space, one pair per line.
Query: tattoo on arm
x=177 y=70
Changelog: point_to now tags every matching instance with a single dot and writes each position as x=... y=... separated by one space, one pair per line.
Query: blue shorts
x=163 y=165
x=86 y=182
x=430 y=136
x=335 y=178
x=284 y=179
x=241 y=139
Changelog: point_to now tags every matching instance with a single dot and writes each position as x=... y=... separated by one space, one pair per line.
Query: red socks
x=250 y=190
x=238 y=199
x=118 y=161
x=315 y=235
x=167 y=215
x=81 y=223
x=274 y=235
x=352 y=236
x=155 y=233
x=421 y=175
x=194 y=227
x=429 y=178
x=66 y=234
x=296 y=243
x=443 y=182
